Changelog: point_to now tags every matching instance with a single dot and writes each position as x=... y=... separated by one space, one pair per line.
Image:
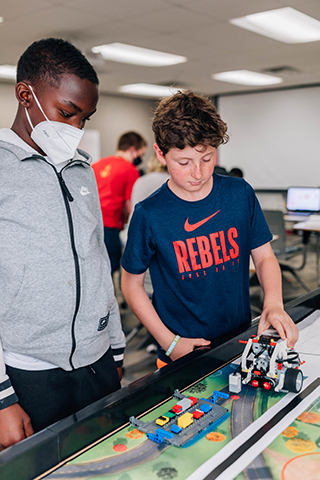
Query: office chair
x=282 y=251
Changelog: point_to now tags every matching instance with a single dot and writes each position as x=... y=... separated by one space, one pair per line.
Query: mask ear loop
x=28 y=118
x=45 y=116
x=38 y=103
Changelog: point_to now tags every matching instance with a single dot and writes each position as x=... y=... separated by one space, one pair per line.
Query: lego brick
x=197 y=414
x=175 y=428
x=185 y=420
x=185 y=403
x=205 y=408
x=235 y=383
x=176 y=408
x=160 y=432
x=162 y=420
x=169 y=415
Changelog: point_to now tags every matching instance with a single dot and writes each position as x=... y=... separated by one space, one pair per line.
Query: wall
x=275 y=137
x=115 y=115
x=8 y=105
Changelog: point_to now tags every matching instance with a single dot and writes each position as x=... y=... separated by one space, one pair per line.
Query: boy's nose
x=196 y=172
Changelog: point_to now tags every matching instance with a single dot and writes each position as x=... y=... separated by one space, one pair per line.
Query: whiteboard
x=274 y=137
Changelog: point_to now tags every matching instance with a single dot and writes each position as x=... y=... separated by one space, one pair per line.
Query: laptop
x=303 y=201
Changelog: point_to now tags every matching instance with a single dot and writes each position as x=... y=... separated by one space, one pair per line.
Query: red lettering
x=232 y=233
x=215 y=248
x=223 y=246
x=204 y=251
x=182 y=256
x=193 y=253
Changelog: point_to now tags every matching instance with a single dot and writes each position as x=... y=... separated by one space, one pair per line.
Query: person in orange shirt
x=115 y=177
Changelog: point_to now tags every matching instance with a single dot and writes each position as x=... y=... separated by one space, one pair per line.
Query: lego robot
x=272 y=365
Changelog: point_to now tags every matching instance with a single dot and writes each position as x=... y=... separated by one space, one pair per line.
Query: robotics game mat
x=129 y=455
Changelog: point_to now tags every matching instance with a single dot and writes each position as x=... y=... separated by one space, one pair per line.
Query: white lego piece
x=235 y=383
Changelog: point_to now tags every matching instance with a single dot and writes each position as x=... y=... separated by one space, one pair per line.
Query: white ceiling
x=197 y=29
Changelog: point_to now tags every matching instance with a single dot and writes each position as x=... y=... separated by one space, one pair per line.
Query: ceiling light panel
x=246 y=77
x=286 y=25
x=120 y=52
x=149 y=90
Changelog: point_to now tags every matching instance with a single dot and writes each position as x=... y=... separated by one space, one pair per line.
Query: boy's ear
x=159 y=154
x=23 y=94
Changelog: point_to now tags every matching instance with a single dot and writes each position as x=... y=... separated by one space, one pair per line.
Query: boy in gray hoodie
x=60 y=330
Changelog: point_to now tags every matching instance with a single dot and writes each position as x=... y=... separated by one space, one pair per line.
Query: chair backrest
x=276 y=224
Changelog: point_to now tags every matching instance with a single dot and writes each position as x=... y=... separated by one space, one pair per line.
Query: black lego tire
x=293 y=380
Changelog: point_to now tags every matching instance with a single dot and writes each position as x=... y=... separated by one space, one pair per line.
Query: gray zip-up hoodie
x=57 y=298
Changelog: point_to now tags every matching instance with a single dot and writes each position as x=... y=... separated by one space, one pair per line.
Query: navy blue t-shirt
x=198 y=255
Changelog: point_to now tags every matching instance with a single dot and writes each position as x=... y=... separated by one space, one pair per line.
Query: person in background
x=156 y=175
x=220 y=170
x=236 y=172
x=196 y=234
x=60 y=325
x=115 y=177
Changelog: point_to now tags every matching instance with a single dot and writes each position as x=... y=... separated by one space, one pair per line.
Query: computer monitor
x=303 y=199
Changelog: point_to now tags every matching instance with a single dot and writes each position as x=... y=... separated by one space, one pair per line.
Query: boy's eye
x=66 y=114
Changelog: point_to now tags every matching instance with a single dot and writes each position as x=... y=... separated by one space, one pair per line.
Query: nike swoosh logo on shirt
x=190 y=228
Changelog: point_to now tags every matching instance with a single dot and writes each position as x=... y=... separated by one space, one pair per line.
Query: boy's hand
x=187 y=345
x=275 y=315
x=15 y=425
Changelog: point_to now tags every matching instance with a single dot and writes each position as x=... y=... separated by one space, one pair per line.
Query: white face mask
x=57 y=139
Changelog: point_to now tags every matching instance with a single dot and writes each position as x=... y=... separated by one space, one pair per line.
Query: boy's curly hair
x=187 y=119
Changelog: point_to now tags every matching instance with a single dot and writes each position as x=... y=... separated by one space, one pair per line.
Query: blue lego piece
x=205 y=408
x=160 y=432
x=223 y=395
x=175 y=428
x=155 y=438
x=216 y=394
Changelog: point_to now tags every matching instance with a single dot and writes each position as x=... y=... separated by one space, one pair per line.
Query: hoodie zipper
x=67 y=199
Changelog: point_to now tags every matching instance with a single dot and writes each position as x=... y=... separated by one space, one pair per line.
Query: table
x=312 y=224
x=295 y=218
x=42 y=452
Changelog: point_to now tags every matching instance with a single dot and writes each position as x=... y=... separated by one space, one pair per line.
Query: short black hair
x=47 y=59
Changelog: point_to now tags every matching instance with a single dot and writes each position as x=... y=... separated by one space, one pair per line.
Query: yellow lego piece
x=162 y=420
x=185 y=420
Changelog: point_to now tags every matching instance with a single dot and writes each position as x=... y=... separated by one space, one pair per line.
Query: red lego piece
x=193 y=400
x=197 y=414
x=176 y=408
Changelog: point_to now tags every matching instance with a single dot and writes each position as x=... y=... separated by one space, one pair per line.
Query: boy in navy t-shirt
x=196 y=234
